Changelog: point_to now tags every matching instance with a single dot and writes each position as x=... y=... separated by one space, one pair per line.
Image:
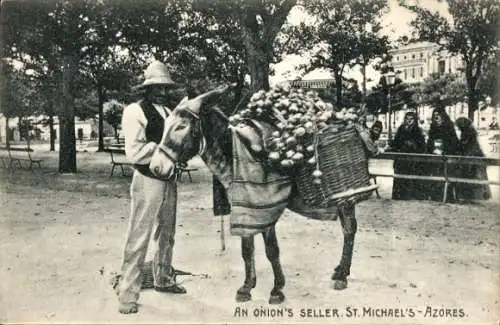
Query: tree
x=19 y=97
x=69 y=38
x=440 y=91
x=113 y=115
x=472 y=34
x=344 y=33
x=371 y=45
x=384 y=99
x=258 y=24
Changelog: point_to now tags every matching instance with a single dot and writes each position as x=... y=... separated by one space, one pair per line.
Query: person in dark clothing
x=442 y=141
x=376 y=130
x=409 y=139
x=469 y=146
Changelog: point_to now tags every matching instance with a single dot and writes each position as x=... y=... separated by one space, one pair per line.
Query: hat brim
x=158 y=82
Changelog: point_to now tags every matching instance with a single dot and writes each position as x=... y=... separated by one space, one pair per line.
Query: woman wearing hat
x=153 y=200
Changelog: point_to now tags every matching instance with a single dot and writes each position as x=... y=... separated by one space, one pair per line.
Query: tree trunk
x=100 y=98
x=338 y=88
x=472 y=102
x=7 y=132
x=363 y=72
x=257 y=58
x=67 y=144
x=52 y=133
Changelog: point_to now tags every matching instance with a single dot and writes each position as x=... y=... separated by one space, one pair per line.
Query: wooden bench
x=16 y=155
x=119 y=151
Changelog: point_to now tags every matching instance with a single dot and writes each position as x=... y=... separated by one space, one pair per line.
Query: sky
x=395 y=23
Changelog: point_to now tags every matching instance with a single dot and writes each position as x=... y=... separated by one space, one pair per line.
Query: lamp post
x=390 y=79
x=462 y=108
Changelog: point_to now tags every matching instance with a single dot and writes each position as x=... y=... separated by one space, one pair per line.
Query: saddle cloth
x=260 y=193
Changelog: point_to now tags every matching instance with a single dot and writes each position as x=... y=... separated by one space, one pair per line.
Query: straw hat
x=156 y=74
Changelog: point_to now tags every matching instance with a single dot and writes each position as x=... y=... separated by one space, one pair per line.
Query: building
x=84 y=129
x=416 y=61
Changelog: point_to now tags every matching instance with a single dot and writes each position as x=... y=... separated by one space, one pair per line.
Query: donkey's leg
x=273 y=255
x=247 y=252
x=349 y=227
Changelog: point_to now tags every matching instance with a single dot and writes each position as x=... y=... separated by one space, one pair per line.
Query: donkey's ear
x=214 y=94
x=183 y=101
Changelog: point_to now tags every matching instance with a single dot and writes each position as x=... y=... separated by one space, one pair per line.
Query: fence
x=446 y=160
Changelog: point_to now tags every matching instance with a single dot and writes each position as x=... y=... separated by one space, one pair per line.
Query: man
x=153 y=200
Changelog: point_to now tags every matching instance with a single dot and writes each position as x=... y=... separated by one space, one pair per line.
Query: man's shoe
x=173 y=288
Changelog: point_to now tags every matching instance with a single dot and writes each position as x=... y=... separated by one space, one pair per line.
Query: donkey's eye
x=181 y=126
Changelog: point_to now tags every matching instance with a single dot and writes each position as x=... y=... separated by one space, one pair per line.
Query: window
x=397 y=58
x=413 y=73
x=441 y=67
x=413 y=56
x=404 y=57
x=421 y=71
x=406 y=74
x=421 y=55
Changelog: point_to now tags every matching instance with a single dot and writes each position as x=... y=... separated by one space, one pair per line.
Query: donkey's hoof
x=128 y=308
x=242 y=297
x=276 y=298
x=339 y=284
x=243 y=294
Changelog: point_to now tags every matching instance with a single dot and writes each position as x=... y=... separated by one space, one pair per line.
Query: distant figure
x=376 y=130
x=409 y=139
x=469 y=146
x=494 y=124
x=442 y=141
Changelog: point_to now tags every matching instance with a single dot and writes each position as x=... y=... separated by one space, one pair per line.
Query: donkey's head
x=183 y=136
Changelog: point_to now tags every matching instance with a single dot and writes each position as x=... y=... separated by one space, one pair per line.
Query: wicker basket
x=342 y=160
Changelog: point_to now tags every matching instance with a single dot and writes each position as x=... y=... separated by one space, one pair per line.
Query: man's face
x=159 y=94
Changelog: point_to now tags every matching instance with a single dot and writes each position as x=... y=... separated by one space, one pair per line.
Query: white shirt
x=137 y=149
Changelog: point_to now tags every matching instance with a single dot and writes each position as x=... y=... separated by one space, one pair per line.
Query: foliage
x=472 y=34
x=20 y=95
x=440 y=90
x=113 y=115
x=402 y=96
x=345 y=33
x=248 y=27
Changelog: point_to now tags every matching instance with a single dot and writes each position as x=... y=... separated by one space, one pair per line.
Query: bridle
x=202 y=146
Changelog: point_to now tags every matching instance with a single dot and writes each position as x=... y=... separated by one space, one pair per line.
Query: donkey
x=196 y=126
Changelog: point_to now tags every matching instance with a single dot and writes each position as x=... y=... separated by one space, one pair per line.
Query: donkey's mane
x=218 y=153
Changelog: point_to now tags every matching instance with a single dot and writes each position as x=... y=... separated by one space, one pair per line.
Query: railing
x=445 y=160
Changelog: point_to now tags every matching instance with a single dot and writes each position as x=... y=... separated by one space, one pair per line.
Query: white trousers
x=153 y=206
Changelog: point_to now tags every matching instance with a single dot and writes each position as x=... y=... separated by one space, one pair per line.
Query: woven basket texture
x=344 y=165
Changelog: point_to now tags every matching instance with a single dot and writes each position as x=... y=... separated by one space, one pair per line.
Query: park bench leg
x=189 y=174
x=123 y=170
x=112 y=170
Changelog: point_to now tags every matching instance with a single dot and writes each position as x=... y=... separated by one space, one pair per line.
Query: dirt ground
x=414 y=262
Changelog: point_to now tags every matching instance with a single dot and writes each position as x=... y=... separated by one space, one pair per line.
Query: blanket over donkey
x=260 y=193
